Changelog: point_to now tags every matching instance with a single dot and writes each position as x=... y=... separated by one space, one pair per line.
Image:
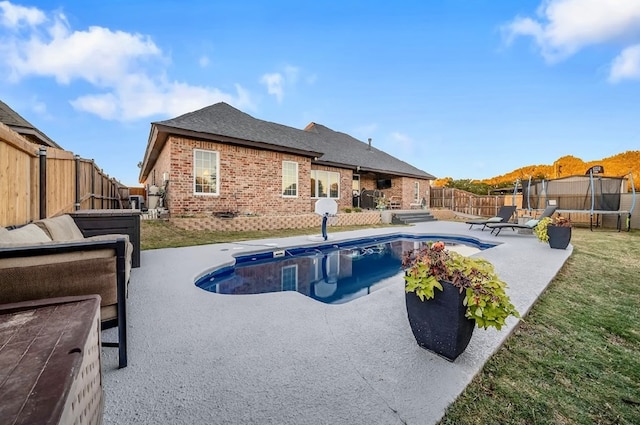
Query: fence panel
x=85 y=179
x=60 y=187
x=466 y=202
x=43 y=182
x=19 y=170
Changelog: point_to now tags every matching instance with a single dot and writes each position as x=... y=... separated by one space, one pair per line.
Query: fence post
x=453 y=199
x=113 y=192
x=93 y=185
x=77 y=204
x=101 y=189
x=428 y=193
x=43 y=181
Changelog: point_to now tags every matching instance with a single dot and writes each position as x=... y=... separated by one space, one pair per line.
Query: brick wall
x=408 y=195
x=401 y=187
x=250 y=181
x=299 y=221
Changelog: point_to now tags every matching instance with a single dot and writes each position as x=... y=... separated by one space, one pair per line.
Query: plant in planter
x=556 y=231
x=469 y=293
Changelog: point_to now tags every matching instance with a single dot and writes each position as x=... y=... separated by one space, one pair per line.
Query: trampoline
x=592 y=193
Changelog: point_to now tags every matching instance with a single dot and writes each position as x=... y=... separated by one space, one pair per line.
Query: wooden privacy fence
x=467 y=202
x=40 y=182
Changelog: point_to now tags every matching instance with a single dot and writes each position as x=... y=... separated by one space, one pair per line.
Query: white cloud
x=403 y=142
x=14 y=16
x=126 y=68
x=275 y=85
x=626 y=65
x=365 y=131
x=291 y=73
x=288 y=78
x=563 y=27
x=140 y=97
x=99 y=55
x=204 y=61
x=39 y=107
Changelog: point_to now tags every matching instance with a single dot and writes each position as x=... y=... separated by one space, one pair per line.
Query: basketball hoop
x=326 y=207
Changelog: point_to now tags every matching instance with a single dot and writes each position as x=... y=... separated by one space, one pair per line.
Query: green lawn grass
x=161 y=234
x=576 y=358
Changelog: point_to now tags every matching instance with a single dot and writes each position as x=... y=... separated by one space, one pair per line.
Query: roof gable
x=17 y=123
x=225 y=123
x=225 y=120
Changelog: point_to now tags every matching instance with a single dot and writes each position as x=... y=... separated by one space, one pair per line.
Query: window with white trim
x=205 y=172
x=325 y=184
x=289 y=179
x=289 y=279
x=416 y=192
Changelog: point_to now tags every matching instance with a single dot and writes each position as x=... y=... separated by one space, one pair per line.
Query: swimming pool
x=332 y=273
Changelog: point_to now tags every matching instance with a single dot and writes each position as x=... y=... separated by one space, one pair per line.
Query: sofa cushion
x=47 y=276
x=128 y=250
x=61 y=228
x=23 y=235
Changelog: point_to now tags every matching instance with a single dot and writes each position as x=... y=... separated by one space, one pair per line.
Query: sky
x=458 y=88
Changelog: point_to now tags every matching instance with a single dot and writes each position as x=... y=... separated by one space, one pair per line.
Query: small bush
x=347 y=210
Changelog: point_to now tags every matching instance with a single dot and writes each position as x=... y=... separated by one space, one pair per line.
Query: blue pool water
x=332 y=273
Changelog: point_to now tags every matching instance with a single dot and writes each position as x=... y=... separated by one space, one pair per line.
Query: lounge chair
x=531 y=224
x=504 y=215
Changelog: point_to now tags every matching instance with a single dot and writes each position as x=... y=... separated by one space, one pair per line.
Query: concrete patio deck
x=282 y=358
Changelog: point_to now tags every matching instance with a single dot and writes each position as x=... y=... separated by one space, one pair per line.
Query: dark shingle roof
x=15 y=122
x=225 y=120
x=340 y=148
x=321 y=143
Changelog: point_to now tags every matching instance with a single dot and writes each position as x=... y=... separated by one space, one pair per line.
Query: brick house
x=221 y=160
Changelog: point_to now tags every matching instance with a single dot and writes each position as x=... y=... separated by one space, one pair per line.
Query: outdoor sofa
x=51 y=258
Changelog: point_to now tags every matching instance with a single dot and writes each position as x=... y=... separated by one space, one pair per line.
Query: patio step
x=411 y=217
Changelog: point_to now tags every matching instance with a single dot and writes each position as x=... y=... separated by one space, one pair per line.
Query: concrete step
x=412 y=217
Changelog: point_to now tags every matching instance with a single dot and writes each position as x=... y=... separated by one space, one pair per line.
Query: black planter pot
x=559 y=237
x=439 y=324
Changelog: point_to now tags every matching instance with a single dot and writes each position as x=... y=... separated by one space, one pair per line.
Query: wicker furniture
x=47 y=270
x=50 y=371
x=101 y=222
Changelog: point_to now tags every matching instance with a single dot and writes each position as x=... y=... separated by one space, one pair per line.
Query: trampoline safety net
x=575 y=193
